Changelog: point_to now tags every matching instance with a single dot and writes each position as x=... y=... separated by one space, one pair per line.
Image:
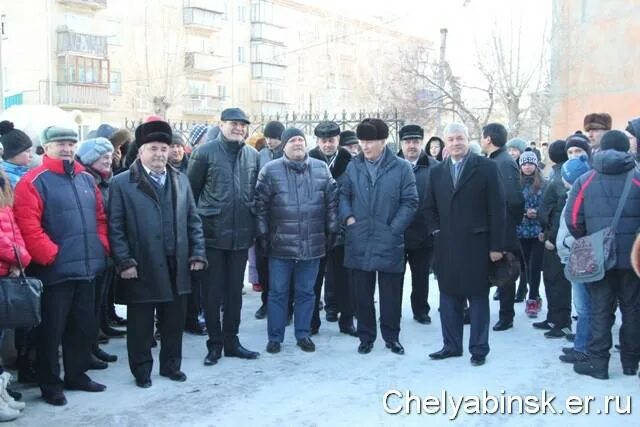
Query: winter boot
x=531 y=308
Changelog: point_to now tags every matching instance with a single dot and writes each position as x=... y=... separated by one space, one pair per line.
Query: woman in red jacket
x=11 y=242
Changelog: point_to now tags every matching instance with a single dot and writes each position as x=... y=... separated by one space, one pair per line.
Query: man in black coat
x=337 y=295
x=297 y=208
x=157 y=241
x=418 y=243
x=223 y=176
x=378 y=200
x=494 y=138
x=466 y=214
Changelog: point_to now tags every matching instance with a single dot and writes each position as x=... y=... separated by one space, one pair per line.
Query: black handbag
x=20 y=300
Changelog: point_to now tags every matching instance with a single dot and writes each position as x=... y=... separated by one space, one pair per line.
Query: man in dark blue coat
x=466 y=214
x=378 y=201
x=417 y=241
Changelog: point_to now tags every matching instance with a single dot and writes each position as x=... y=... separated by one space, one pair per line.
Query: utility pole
x=1 y=66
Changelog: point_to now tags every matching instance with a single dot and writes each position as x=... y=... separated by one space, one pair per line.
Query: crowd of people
x=168 y=228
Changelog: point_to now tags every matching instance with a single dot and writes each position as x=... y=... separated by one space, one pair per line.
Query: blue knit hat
x=574 y=168
x=90 y=150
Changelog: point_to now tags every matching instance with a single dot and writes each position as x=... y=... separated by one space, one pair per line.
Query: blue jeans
x=582 y=304
x=304 y=277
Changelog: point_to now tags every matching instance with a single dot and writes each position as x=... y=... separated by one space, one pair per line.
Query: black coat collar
x=139 y=175
x=341 y=163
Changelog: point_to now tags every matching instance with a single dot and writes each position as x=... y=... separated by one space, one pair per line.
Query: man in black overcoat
x=466 y=214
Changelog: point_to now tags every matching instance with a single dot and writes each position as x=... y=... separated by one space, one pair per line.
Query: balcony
x=201 y=19
x=197 y=62
x=264 y=11
x=268 y=53
x=76 y=95
x=87 y=4
x=201 y=104
x=267 y=32
x=268 y=72
x=268 y=92
x=82 y=44
x=216 y=6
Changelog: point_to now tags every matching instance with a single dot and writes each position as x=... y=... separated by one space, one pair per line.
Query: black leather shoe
x=557 y=332
x=423 y=319
x=349 y=330
x=261 y=313
x=629 y=371
x=395 y=347
x=502 y=325
x=331 y=316
x=178 y=376
x=588 y=368
x=445 y=353
x=212 y=357
x=567 y=350
x=365 y=347
x=306 y=345
x=195 y=329
x=113 y=333
x=544 y=325
x=97 y=364
x=273 y=347
x=90 y=386
x=104 y=356
x=55 y=398
x=143 y=382
x=478 y=360
x=240 y=352
x=573 y=357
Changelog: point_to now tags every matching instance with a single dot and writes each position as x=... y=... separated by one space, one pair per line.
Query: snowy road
x=337 y=386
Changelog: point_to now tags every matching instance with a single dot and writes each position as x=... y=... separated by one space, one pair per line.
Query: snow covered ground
x=336 y=386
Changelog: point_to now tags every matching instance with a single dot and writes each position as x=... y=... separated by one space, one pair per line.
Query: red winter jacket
x=9 y=236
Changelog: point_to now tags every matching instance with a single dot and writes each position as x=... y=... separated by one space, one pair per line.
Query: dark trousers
x=194 y=300
x=68 y=318
x=419 y=263
x=558 y=290
x=390 y=293
x=340 y=279
x=140 y=323
x=451 y=318
x=103 y=282
x=532 y=253
x=618 y=287
x=223 y=282
x=317 y=290
x=507 y=299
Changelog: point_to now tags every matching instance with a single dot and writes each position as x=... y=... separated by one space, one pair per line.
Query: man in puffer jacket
x=297 y=208
x=591 y=207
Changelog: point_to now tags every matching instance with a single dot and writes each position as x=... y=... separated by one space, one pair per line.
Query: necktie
x=456 y=172
x=158 y=177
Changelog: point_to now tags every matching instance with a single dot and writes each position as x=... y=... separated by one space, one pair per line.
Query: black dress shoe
x=113 y=333
x=240 y=352
x=503 y=325
x=395 y=347
x=104 y=356
x=349 y=330
x=55 y=398
x=90 y=386
x=544 y=325
x=273 y=347
x=365 y=347
x=556 y=332
x=477 y=360
x=212 y=356
x=629 y=371
x=573 y=357
x=195 y=329
x=143 y=382
x=444 y=354
x=306 y=345
x=261 y=313
x=423 y=319
x=178 y=376
x=588 y=368
x=567 y=350
x=97 y=364
x=332 y=316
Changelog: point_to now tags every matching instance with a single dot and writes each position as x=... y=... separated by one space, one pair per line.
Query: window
x=197 y=87
x=115 y=81
x=241 y=57
x=222 y=91
x=83 y=70
x=242 y=14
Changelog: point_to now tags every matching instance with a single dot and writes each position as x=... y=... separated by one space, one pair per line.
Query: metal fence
x=303 y=121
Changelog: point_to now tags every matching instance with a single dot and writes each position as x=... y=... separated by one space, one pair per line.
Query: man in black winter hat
x=337 y=288
x=349 y=140
x=577 y=145
x=378 y=201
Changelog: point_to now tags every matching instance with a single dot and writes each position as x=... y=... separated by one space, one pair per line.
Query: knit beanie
x=517 y=143
x=615 y=140
x=558 y=152
x=289 y=133
x=578 y=140
x=196 y=133
x=273 y=130
x=90 y=150
x=14 y=141
x=528 y=157
x=574 y=168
